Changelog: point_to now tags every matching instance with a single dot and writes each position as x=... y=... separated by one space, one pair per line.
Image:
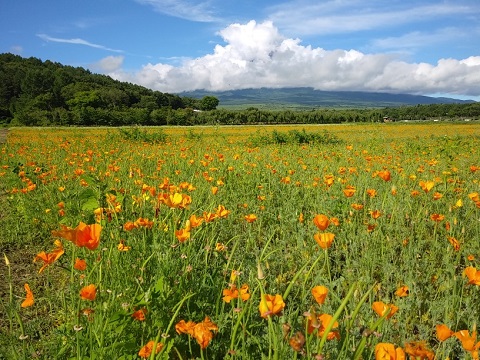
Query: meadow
x=355 y=241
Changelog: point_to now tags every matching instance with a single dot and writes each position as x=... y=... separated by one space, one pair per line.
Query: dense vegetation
x=241 y=242
x=33 y=92
x=42 y=93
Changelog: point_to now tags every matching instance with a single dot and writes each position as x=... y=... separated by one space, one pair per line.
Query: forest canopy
x=45 y=93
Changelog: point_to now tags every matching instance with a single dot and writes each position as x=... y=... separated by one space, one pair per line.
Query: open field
x=222 y=242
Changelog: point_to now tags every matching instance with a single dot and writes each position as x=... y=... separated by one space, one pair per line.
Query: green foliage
x=208 y=103
x=295 y=137
x=143 y=135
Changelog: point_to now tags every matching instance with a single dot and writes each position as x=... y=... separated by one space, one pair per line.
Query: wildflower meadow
x=296 y=242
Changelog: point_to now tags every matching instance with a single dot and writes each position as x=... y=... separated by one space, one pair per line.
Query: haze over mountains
x=305 y=97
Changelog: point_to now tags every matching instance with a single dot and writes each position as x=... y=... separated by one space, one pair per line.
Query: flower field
x=338 y=242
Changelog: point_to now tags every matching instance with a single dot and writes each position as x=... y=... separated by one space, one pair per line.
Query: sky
x=421 y=47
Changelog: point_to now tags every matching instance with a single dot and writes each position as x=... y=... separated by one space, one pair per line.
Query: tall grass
x=238 y=285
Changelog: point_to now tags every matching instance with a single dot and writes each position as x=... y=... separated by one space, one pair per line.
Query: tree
x=209 y=103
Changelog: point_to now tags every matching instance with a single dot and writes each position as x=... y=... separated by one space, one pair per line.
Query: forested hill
x=36 y=92
x=43 y=93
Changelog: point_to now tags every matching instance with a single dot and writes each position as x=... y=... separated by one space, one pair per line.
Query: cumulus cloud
x=109 y=64
x=256 y=55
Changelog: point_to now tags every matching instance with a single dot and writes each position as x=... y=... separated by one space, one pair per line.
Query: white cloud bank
x=256 y=55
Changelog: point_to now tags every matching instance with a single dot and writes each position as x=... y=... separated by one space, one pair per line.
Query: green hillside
x=308 y=98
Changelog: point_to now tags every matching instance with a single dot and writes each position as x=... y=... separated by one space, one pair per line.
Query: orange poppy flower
x=443 y=332
x=387 y=351
x=297 y=341
x=203 y=332
x=321 y=222
x=324 y=240
x=375 y=214
x=329 y=180
x=80 y=264
x=270 y=305
x=129 y=226
x=82 y=236
x=473 y=275
x=88 y=292
x=468 y=341
x=371 y=192
x=250 y=218
x=418 y=350
x=335 y=221
x=320 y=294
x=475 y=197
x=209 y=217
x=140 y=314
x=320 y=323
x=50 y=258
x=357 y=206
x=385 y=175
x=402 y=291
x=455 y=243
x=214 y=190
x=349 y=191
x=143 y=222
x=183 y=327
x=195 y=221
x=182 y=235
x=230 y=294
x=437 y=217
x=426 y=185
x=146 y=350
x=437 y=196
x=381 y=309
x=29 y=300
x=244 y=295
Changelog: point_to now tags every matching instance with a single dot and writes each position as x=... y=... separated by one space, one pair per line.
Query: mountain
x=305 y=97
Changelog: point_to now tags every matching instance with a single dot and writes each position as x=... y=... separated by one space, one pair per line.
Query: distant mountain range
x=307 y=98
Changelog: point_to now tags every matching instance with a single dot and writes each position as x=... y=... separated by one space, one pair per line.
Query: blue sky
x=402 y=46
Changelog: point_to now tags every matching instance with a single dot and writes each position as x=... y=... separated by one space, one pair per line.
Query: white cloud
x=257 y=55
x=109 y=64
x=76 y=41
x=185 y=9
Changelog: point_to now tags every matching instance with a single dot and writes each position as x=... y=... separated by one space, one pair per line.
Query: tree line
x=44 y=93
